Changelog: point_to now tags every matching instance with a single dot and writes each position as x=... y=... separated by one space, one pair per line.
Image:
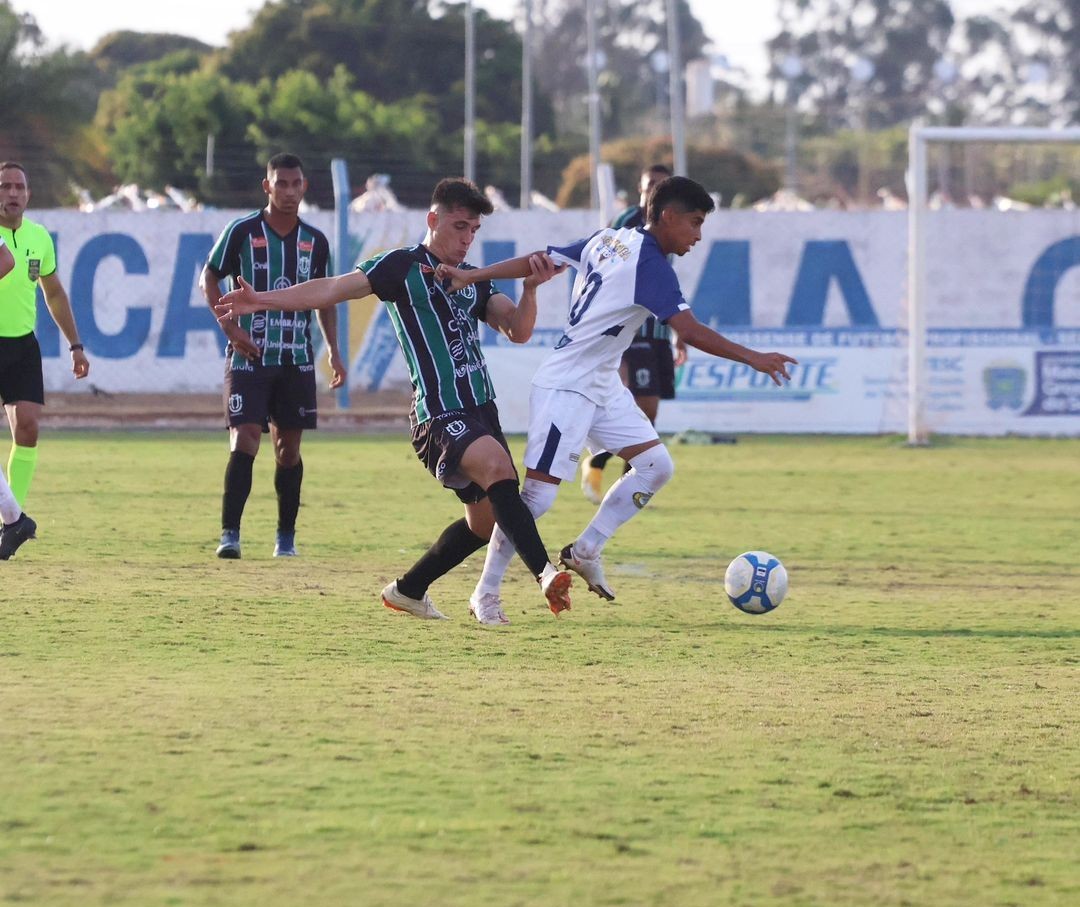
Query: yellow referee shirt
x=35 y=257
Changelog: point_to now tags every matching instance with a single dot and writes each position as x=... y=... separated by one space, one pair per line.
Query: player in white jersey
x=577 y=396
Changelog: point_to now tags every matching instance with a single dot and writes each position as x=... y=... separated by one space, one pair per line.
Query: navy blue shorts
x=440 y=443
x=282 y=394
x=650 y=368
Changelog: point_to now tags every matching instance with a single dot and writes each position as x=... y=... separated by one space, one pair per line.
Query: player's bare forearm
x=323 y=293
x=328 y=321
x=509 y=269
x=704 y=338
x=520 y=324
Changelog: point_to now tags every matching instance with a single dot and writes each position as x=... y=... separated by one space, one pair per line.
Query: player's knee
x=655 y=467
x=538 y=496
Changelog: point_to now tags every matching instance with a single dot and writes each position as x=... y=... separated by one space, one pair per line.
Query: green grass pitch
x=903 y=730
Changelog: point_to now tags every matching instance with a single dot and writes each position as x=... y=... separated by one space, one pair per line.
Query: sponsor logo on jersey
x=258 y=323
x=282 y=283
x=303 y=265
x=258 y=242
x=33 y=269
x=305 y=246
x=261 y=266
x=457 y=349
x=236 y=404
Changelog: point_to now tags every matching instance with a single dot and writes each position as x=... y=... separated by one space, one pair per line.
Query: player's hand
x=452 y=279
x=543 y=269
x=241 y=301
x=337 y=366
x=774 y=365
x=681 y=352
x=80 y=365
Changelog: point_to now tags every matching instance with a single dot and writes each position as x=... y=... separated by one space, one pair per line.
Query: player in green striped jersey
x=455 y=424
x=270 y=361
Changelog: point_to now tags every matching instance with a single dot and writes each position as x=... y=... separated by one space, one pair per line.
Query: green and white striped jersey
x=249 y=248
x=438 y=331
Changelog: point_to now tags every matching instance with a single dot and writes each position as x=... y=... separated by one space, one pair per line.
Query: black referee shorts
x=21 y=379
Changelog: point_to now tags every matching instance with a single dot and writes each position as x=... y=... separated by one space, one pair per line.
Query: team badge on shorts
x=236 y=404
x=456 y=428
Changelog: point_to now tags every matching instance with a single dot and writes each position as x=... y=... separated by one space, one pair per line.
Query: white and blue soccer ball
x=755 y=582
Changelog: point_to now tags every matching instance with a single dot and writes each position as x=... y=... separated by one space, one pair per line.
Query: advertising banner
x=1003 y=353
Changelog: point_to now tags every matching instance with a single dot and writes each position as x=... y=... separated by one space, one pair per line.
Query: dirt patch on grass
x=381 y=411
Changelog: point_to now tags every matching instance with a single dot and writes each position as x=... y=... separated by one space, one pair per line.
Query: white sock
x=649 y=472
x=10 y=510
x=538 y=497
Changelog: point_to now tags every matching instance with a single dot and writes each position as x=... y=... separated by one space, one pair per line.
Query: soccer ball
x=755 y=582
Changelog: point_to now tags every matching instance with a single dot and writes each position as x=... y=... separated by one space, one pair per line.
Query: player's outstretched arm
x=704 y=338
x=508 y=269
x=321 y=293
x=517 y=322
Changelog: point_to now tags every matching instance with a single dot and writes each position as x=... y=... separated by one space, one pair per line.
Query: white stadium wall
x=1003 y=351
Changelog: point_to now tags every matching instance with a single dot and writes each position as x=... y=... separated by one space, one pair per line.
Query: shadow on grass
x=910 y=632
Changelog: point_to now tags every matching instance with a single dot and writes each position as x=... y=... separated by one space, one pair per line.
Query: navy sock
x=287 y=481
x=455 y=544
x=237 y=489
x=517 y=522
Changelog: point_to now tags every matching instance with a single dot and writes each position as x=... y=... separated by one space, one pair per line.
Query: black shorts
x=650 y=368
x=282 y=394
x=21 y=379
x=440 y=444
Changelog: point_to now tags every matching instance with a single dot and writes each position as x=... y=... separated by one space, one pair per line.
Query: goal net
x=993 y=301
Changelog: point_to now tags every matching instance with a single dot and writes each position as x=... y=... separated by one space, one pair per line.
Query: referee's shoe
x=14 y=534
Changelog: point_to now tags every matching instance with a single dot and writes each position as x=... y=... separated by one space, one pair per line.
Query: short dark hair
x=14 y=165
x=284 y=161
x=458 y=192
x=659 y=168
x=681 y=191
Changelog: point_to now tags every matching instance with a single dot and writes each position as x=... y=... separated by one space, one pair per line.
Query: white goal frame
x=918 y=183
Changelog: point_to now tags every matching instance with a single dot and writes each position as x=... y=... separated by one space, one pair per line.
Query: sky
x=80 y=25
x=738 y=29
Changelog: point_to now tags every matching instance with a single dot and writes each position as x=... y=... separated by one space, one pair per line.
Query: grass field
x=903 y=730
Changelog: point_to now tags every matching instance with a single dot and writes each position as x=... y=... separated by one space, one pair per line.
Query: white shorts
x=562 y=422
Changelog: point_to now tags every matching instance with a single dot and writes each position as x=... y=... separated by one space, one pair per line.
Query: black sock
x=599 y=461
x=287 y=481
x=456 y=543
x=237 y=489
x=517 y=522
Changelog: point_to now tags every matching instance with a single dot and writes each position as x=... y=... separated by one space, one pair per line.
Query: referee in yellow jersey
x=22 y=384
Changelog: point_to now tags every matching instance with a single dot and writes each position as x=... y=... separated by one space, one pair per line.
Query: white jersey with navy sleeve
x=622 y=278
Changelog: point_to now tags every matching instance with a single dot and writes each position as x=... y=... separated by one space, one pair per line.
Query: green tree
x=49 y=97
x=901 y=40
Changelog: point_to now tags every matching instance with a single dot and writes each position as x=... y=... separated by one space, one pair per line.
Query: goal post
x=919 y=140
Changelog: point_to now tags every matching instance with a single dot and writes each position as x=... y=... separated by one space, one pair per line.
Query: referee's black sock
x=237 y=488
x=517 y=522
x=600 y=460
x=456 y=543
x=287 y=481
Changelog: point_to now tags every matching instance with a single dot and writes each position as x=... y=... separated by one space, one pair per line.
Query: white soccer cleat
x=589 y=569
x=424 y=608
x=487 y=609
